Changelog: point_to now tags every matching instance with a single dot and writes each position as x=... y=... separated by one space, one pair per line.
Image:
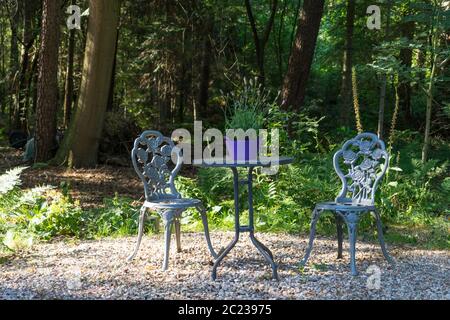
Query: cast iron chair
x=151 y=157
x=365 y=160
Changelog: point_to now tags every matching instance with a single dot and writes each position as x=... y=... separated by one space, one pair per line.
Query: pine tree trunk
x=80 y=145
x=346 y=82
x=47 y=100
x=294 y=86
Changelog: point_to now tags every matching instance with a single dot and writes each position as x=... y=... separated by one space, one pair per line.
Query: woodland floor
x=89 y=186
x=97 y=269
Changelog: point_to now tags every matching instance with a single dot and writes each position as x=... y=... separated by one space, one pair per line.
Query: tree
x=47 y=101
x=407 y=29
x=294 y=86
x=26 y=71
x=13 y=67
x=205 y=71
x=346 y=82
x=261 y=41
x=68 y=89
x=80 y=144
x=383 y=82
x=440 y=58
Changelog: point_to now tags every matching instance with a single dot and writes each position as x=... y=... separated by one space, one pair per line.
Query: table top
x=228 y=163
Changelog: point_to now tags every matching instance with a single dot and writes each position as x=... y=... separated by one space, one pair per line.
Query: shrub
x=41 y=212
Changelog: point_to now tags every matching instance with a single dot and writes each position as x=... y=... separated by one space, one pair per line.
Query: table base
x=266 y=253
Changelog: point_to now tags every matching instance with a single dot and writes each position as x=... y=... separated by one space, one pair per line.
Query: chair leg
x=178 y=234
x=315 y=217
x=140 y=233
x=202 y=211
x=167 y=235
x=381 y=238
x=340 y=235
x=352 y=224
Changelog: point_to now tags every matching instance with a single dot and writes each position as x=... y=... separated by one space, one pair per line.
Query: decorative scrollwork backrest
x=365 y=161
x=152 y=155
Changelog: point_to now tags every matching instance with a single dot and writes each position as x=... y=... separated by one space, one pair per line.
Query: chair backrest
x=361 y=163
x=152 y=155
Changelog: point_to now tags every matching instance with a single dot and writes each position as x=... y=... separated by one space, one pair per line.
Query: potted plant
x=245 y=110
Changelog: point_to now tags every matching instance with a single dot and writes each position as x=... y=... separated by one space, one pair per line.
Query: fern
x=10 y=179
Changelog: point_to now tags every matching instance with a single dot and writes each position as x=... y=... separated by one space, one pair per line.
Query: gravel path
x=97 y=270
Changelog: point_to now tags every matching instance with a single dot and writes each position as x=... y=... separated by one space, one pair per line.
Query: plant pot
x=242 y=150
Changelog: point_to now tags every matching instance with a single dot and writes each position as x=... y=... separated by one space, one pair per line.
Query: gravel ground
x=98 y=270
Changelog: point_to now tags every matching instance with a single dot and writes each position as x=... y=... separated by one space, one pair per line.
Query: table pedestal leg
x=223 y=254
x=266 y=253
x=257 y=243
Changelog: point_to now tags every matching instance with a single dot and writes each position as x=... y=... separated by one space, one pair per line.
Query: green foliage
x=413 y=197
x=416 y=195
x=44 y=212
x=10 y=180
x=41 y=212
x=117 y=216
x=246 y=107
x=304 y=127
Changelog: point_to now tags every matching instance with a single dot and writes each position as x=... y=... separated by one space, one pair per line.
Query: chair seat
x=335 y=206
x=172 y=203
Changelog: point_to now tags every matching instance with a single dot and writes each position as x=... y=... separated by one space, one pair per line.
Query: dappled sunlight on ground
x=98 y=269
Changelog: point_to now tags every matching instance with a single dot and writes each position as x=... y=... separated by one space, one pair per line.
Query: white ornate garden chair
x=365 y=161
x=152 y=155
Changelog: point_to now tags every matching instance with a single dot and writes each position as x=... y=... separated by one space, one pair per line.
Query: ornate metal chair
x=151 y=157
x=365 y=160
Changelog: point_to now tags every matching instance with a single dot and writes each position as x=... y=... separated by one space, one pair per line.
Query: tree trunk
x=68 y=91
x=14 y=68
x=295 y=25
x=430 y=96
x=205 y=73
x=279 y=43
x=383 y=82
x=261 y=42
x=294 y=86
x=404 y=90
x=29 y=37
x=346 y=82
x=3 y=90
x=47 y=101
x=381 y=106
x=80 y=145
x=430 y=91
